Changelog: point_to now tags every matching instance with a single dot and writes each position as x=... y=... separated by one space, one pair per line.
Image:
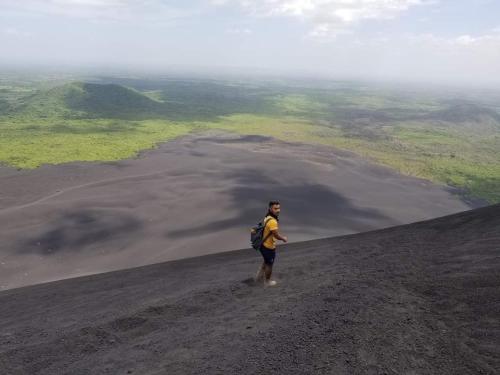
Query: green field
x=448 y=138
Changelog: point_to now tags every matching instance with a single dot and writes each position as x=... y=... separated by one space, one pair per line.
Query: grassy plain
x=26 y=145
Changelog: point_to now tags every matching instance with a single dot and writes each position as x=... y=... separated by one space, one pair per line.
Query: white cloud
x=328 y=17
x=239 y=31
x=11 y=31
x=461 y=41
x=473 y=59
x=465 y=39
x=114 y=10
x=95 y=3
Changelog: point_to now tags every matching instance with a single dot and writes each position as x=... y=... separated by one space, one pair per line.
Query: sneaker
x=270 y=283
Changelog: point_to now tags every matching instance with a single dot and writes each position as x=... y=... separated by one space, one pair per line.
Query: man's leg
x=268 y=265
x=268 y=270
x=261 y=273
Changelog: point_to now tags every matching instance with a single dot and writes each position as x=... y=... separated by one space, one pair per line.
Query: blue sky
x=411 y=40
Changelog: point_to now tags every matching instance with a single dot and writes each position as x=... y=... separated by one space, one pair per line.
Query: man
x=268 y=248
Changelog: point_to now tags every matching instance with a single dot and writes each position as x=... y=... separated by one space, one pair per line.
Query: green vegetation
x=29 y=146
x=88 y=100
x=423 y=134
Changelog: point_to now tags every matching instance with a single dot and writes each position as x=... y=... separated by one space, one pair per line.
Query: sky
x=443 y=41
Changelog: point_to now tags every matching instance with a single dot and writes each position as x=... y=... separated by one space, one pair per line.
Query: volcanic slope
x=420 y=298
x=88 y=100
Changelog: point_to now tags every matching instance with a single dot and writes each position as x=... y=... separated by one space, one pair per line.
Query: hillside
x=420 y=298
x=457 y=114
x=88 y=100
x=463 y=112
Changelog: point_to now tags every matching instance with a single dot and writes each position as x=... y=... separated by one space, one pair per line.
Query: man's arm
x=278 y=236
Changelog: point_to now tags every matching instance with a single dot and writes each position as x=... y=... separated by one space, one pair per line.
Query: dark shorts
x=268 y=255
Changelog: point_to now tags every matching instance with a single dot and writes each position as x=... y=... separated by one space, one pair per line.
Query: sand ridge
x=420 y=298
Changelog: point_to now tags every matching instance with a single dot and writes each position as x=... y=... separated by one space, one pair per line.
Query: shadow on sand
x=317 y=205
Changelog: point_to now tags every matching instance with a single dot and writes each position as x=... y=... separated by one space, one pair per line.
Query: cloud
x=111 y=10
x=472 y=59
x=239 y=31
x=327 y=17
x=11 y=31
x=465 y=39
x=461 y=41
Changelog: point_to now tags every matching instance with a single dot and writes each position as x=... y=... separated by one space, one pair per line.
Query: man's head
x=274 y=208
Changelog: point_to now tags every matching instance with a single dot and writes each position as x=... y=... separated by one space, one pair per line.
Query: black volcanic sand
x=421 y=298
x=195 y=195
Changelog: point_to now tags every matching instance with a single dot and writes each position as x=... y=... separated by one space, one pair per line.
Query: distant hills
x=89 y=100
x=191 y=101
x=464 y=112
x=177 y=101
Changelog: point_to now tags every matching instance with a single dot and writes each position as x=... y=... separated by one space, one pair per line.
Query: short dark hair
x=272 y=203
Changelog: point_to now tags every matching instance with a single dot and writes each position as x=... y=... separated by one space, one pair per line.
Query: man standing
x=268 y=248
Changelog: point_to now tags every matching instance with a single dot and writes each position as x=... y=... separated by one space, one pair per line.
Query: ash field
x=192 y=196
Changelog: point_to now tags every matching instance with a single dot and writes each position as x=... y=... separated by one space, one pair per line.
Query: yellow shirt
x=272 y=224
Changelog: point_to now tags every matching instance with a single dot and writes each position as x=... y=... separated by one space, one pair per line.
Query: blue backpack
x=257 y=234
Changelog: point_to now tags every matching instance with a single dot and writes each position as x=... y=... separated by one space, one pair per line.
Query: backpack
x=257 y=234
